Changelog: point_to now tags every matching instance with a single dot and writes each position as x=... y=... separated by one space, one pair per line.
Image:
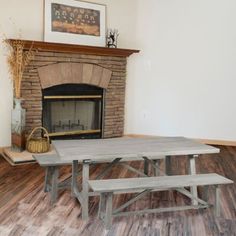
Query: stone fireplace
x=62 y=82
x=73 y=99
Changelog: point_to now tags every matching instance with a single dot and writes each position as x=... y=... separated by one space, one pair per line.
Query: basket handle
x=36 y=128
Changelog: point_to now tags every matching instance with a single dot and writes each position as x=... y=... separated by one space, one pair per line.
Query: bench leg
x=101 y=208
x=156 y=170
x=192 y=171
x=217 y=200
x=108 y=215
x=85 y=191
x=205 y=194
x=54 y=189
x=47 y=179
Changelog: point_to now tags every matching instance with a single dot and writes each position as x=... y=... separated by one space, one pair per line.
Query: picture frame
x=75 y=22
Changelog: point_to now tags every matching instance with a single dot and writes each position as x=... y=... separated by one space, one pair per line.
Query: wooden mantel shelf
x=72 y=48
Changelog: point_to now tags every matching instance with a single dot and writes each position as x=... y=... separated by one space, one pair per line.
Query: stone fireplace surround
x=92 y=65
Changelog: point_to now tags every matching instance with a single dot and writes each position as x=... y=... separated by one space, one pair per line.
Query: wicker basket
x=38 y=145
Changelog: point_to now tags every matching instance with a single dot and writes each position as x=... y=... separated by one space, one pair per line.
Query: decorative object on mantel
x=18 y=59
x=74 y=22
x=38 y=145
x=112 y=35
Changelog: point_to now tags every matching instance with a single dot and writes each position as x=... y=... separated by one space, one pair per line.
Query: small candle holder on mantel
x=112 y=36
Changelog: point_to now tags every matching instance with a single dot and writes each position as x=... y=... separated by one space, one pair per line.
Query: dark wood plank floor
x=25 y=208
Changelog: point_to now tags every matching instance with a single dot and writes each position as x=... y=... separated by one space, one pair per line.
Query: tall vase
x=18 y=126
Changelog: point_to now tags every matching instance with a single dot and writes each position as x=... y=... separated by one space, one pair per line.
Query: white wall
x=184 y=81
x=14 y=16
x=27 y=16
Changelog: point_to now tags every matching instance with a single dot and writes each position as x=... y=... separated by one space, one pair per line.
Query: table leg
x=85 y=191
x=75 y=189
x=168 y=165
x=192 y=171
x=74 y=186
x=146 y=166
x=47 y=179
x=181 y=190
x=54 y=189
x=217 y=201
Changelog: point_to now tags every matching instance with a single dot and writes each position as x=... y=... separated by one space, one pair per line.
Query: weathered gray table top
x=126 y=148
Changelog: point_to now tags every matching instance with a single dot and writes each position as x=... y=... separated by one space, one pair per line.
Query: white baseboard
x=217 y=142
x=205 y=141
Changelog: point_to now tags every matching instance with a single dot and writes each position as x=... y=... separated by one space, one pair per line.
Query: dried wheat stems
x=18 y=59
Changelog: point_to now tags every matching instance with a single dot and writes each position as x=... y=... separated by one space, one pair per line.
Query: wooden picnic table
x=116 y=150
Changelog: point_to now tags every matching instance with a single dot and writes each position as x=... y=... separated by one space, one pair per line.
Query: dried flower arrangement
x=18 y=59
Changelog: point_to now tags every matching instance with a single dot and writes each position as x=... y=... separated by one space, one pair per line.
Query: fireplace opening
x=73 y=111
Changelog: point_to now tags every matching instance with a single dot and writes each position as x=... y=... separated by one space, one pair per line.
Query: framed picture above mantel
x=74 y=22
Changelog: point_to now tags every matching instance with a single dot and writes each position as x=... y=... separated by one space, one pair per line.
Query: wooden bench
x=51 y=163
x=107 y=188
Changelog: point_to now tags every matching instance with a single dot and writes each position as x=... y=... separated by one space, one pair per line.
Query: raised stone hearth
x=50 y=68
x=18 y=158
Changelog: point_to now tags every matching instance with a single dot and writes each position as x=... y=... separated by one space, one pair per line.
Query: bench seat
x=157 y=183
x=107 y=188
x=50 y=160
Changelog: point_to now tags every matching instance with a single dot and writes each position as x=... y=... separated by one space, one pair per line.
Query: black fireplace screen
x=73 y=111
